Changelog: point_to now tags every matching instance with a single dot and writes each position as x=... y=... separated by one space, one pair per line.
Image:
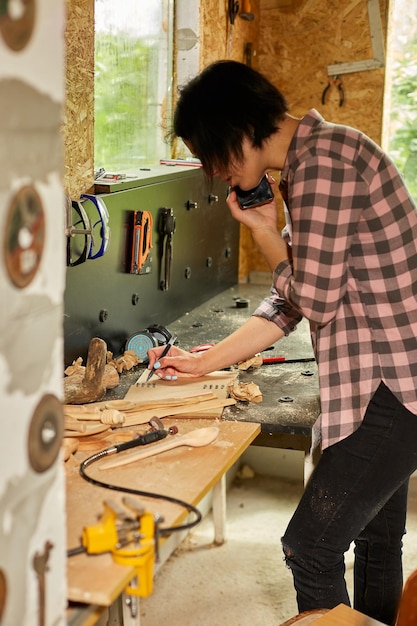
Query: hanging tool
x=334 y=82
x=166 y=230
x=95 y=233
x=132 y=540
x=140 y=260
x=81 y=225
x=100 y=227
x=232 y=10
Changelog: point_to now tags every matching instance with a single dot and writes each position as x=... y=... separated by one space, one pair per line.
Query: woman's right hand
x=176 y=364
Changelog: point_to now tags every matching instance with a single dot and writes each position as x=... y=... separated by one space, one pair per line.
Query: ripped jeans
x=358 y=492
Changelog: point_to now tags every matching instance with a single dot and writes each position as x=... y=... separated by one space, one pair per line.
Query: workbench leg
x=131 y=610
x=219 y=510
x=123 y=613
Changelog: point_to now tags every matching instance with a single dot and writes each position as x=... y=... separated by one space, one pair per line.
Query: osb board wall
x=78 y=125
x=219 y=39
x=298 y=40
x=222 y=40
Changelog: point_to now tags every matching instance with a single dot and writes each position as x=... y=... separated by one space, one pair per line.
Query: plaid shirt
x=354 y=272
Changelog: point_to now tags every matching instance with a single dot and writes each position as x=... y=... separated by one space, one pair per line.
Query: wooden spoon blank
x=142 y=417
x=195 y=438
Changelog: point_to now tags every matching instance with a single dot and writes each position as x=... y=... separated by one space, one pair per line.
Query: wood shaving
x=125 y=362
x=255 y=361
x=75 y=368
x=248 y=392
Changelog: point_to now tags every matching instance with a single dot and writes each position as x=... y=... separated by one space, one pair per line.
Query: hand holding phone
x=261 y=194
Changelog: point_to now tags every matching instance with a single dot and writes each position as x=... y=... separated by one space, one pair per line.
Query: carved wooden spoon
x=195 y=438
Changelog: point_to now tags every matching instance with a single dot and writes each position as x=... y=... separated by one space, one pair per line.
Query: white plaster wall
x=32 y=502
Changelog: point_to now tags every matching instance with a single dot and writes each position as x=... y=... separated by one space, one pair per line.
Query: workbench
x=284 y=419
x=188 y=474
x=291 y=404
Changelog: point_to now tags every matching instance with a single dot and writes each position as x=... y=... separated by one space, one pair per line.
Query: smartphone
x=261 y=194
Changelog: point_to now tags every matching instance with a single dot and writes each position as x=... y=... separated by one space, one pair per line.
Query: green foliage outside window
x=402 y=145
x=127 y=114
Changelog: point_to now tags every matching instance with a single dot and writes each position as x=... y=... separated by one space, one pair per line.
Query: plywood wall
x=298 y=40
x=219 y=39
x=78 y=125
x=222 y=40
x=298 y=43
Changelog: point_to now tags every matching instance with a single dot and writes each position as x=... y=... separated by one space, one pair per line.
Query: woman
x=352 y=274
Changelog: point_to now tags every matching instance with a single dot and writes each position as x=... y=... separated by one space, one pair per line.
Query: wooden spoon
x=195 y=438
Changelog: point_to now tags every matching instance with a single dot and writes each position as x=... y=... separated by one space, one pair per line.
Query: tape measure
x=145 y=340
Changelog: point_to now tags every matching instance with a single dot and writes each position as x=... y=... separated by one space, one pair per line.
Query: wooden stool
x=306 y=618
x=407 y=612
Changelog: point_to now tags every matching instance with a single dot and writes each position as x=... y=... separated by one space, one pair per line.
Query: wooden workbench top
x=185 y=473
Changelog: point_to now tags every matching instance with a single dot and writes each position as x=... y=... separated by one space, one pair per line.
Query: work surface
x=286 y=416
x=184 y=473
x=220 y=316
x=297 y=383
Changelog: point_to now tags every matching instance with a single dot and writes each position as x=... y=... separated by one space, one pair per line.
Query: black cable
x=163 y=531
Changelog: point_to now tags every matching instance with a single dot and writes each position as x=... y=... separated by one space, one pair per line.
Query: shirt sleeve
x=326 y=199
x=277 y=310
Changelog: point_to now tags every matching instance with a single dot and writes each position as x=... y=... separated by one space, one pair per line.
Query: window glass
x=133 y=74
x=400 y=123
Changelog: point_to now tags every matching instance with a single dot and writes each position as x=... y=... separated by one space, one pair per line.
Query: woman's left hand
x=260 y=217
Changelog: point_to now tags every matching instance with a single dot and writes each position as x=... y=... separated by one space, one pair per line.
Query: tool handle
x=146 y=238
x=281 y=359
x=154 y=435
x=104 y=230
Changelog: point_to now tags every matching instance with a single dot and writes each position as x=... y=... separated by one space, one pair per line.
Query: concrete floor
x=245 y=581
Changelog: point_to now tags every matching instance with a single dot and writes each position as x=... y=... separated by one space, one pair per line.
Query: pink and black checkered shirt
x=354 y=275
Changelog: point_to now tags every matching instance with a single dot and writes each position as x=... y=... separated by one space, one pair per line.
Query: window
x=400 y=123
x=133 y=82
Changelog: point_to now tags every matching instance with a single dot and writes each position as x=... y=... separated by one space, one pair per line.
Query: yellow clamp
x=130 y=540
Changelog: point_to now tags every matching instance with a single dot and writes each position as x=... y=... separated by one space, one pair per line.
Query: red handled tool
x=272 y=360
x=141 y=243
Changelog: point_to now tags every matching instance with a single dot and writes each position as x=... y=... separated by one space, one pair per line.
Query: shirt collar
x=304 y=130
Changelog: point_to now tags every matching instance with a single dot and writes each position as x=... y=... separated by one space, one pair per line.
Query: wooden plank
x=184 y=473
x=198 y=408
x=157 y=389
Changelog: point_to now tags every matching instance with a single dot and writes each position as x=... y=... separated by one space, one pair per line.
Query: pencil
x=165 y=351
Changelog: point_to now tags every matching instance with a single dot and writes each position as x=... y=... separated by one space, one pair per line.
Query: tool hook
x=334 y=82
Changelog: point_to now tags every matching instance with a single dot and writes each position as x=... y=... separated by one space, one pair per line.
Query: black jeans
x=358 y=492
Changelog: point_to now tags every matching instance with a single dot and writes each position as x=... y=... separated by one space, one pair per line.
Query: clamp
x=334 y=82
x=99 y=226
x=131 y=538
x=95 y=232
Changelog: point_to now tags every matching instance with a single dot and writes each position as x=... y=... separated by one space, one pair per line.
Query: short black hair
x=220 y=106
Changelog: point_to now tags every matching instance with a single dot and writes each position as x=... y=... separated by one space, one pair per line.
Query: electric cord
x=148 y=494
